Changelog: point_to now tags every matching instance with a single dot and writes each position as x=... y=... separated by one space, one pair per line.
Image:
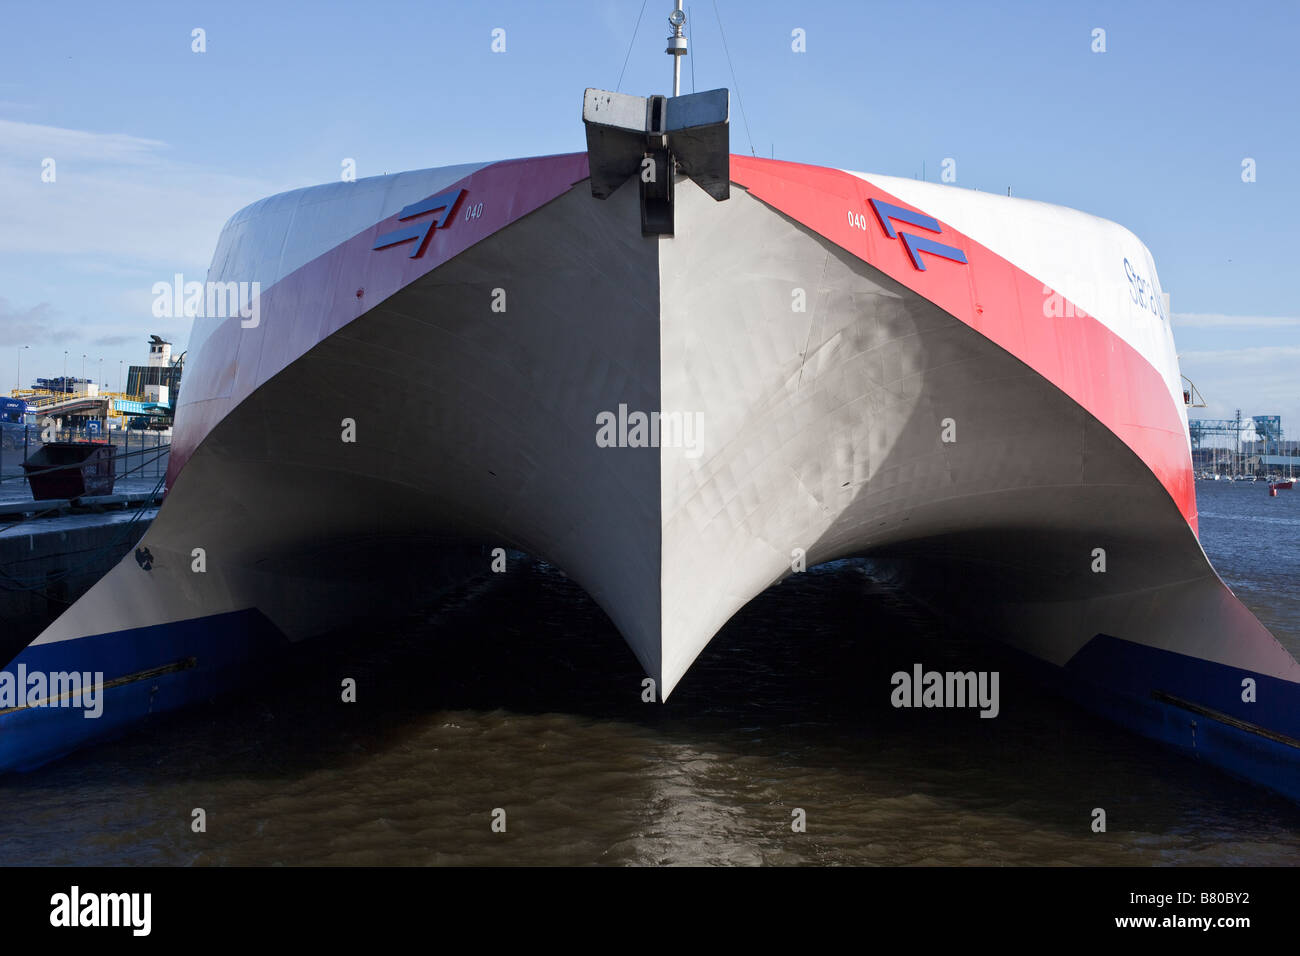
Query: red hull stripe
x=1109 y=378
x=1078 y=354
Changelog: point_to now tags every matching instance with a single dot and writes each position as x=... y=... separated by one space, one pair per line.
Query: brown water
x=519 y=694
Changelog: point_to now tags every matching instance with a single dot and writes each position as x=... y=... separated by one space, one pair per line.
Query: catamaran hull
x=812 y=369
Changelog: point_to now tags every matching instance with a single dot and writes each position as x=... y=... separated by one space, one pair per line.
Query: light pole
x=83 y=370
x=119 y=376
x=19 y=383
x=64 y=383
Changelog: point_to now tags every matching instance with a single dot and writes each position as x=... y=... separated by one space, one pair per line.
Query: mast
x=677 y=45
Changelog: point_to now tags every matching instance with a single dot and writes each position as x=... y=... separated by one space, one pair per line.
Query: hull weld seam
x=1223 y=718
x=181 y=665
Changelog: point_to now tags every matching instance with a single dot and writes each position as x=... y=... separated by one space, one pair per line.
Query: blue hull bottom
x=146 y=671
x=1194 y=705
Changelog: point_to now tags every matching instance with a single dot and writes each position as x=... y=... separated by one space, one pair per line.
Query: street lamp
x=64 y=383
x=83 y=370
x=19 y=383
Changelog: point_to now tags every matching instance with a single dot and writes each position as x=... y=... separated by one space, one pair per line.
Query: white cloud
x=32 y=139
x=1260 y=380
x=1212 y=320
x=117 y=200
x=34 y=326
x=1258 y=355
x=81 y=254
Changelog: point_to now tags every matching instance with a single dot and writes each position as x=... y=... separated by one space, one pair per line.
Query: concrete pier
x=47 y=562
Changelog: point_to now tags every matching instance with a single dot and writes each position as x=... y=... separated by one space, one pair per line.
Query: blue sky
x=155 y=145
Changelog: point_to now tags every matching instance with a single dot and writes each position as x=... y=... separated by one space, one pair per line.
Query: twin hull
x=979 y=391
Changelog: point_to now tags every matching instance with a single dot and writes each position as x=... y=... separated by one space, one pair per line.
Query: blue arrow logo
x=420 y=232
x=915 y=245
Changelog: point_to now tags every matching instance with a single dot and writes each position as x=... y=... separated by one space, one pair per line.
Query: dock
x=52 y=552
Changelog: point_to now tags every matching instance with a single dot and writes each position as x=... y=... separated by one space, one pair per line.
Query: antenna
x=677 y=45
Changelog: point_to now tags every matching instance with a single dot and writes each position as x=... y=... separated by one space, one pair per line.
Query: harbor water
x=517 y=695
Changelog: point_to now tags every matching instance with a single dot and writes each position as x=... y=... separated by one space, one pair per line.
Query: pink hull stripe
x=1078 y=354
x=315 y=301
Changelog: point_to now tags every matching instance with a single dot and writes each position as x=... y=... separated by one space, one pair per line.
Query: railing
x=1191 y=394
x=141 y=454
x=43 y=397
x=38 y=398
